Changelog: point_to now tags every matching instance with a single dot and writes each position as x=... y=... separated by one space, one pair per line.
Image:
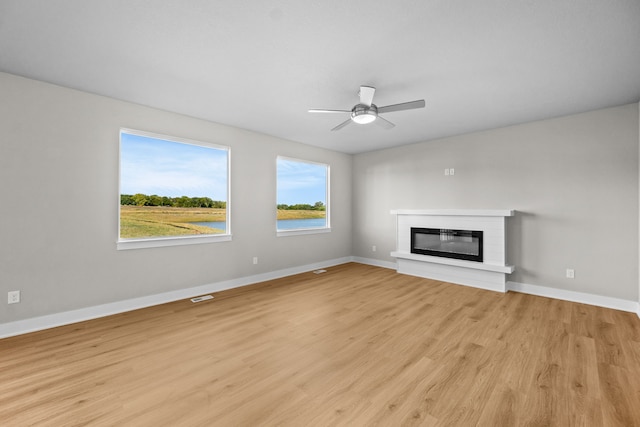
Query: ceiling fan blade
x=366 y=95
x=404 y=106
x=328 y=111
x=384 y=123
x=341 y=125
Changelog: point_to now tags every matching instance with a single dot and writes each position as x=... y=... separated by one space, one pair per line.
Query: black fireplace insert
x=458 y=244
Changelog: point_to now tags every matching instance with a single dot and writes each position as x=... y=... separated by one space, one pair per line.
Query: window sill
x=170 y=241
x=302 y=231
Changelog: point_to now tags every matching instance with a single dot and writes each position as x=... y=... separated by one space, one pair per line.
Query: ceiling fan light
x=363 y=114
x=364 y=118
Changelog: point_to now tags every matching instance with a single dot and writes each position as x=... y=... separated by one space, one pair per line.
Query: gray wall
x=573 y=181
x=59 y=193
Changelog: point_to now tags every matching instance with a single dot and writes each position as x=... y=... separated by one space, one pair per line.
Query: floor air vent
x=202 y=298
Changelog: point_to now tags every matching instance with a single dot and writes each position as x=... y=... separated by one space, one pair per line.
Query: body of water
x=220 y=225
x=295 y=224
x=283 y=224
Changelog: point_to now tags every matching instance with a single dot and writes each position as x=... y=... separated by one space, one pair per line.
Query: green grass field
x=157 y=221
x=291 y=214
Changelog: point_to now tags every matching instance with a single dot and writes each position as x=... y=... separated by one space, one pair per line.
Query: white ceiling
x=261 y=65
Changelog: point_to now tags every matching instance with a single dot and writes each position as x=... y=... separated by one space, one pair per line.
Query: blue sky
x=301 y=182
x=155 y=166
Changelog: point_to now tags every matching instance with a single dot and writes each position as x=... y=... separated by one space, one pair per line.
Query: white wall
x=59 y=193
x=573 y=181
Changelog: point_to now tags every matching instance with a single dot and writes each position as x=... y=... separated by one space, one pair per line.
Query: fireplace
x=458 y=244
x=487 y=270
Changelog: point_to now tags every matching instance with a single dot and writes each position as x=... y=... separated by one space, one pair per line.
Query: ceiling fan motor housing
x=363 y=114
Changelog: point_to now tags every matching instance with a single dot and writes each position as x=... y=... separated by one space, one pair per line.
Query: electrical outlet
x=446 y=172
x=452 y=171
x=571 y=273
x=255 y=259
x=373 y=248
x=13 y=297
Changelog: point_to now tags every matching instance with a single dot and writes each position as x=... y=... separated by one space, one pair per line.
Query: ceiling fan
x=366 y=111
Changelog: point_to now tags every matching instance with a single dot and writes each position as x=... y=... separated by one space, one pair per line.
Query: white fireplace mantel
x=455 y=212
x=489 y=274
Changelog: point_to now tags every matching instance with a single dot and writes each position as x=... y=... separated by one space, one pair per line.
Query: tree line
x=318 y=206
x=140 y=199
x=176 y=202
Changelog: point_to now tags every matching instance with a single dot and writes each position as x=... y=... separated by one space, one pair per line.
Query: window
x=173 y=191
x=303 y=197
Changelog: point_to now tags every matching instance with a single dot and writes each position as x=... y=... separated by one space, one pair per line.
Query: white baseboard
x=375 y=262
x=581 y=297
x=19 y=327
x=543 y=291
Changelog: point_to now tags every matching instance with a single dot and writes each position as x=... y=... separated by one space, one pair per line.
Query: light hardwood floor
x=356 y=346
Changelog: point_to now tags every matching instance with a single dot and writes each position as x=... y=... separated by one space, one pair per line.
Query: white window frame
x=303 y=231
x=155 y=242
